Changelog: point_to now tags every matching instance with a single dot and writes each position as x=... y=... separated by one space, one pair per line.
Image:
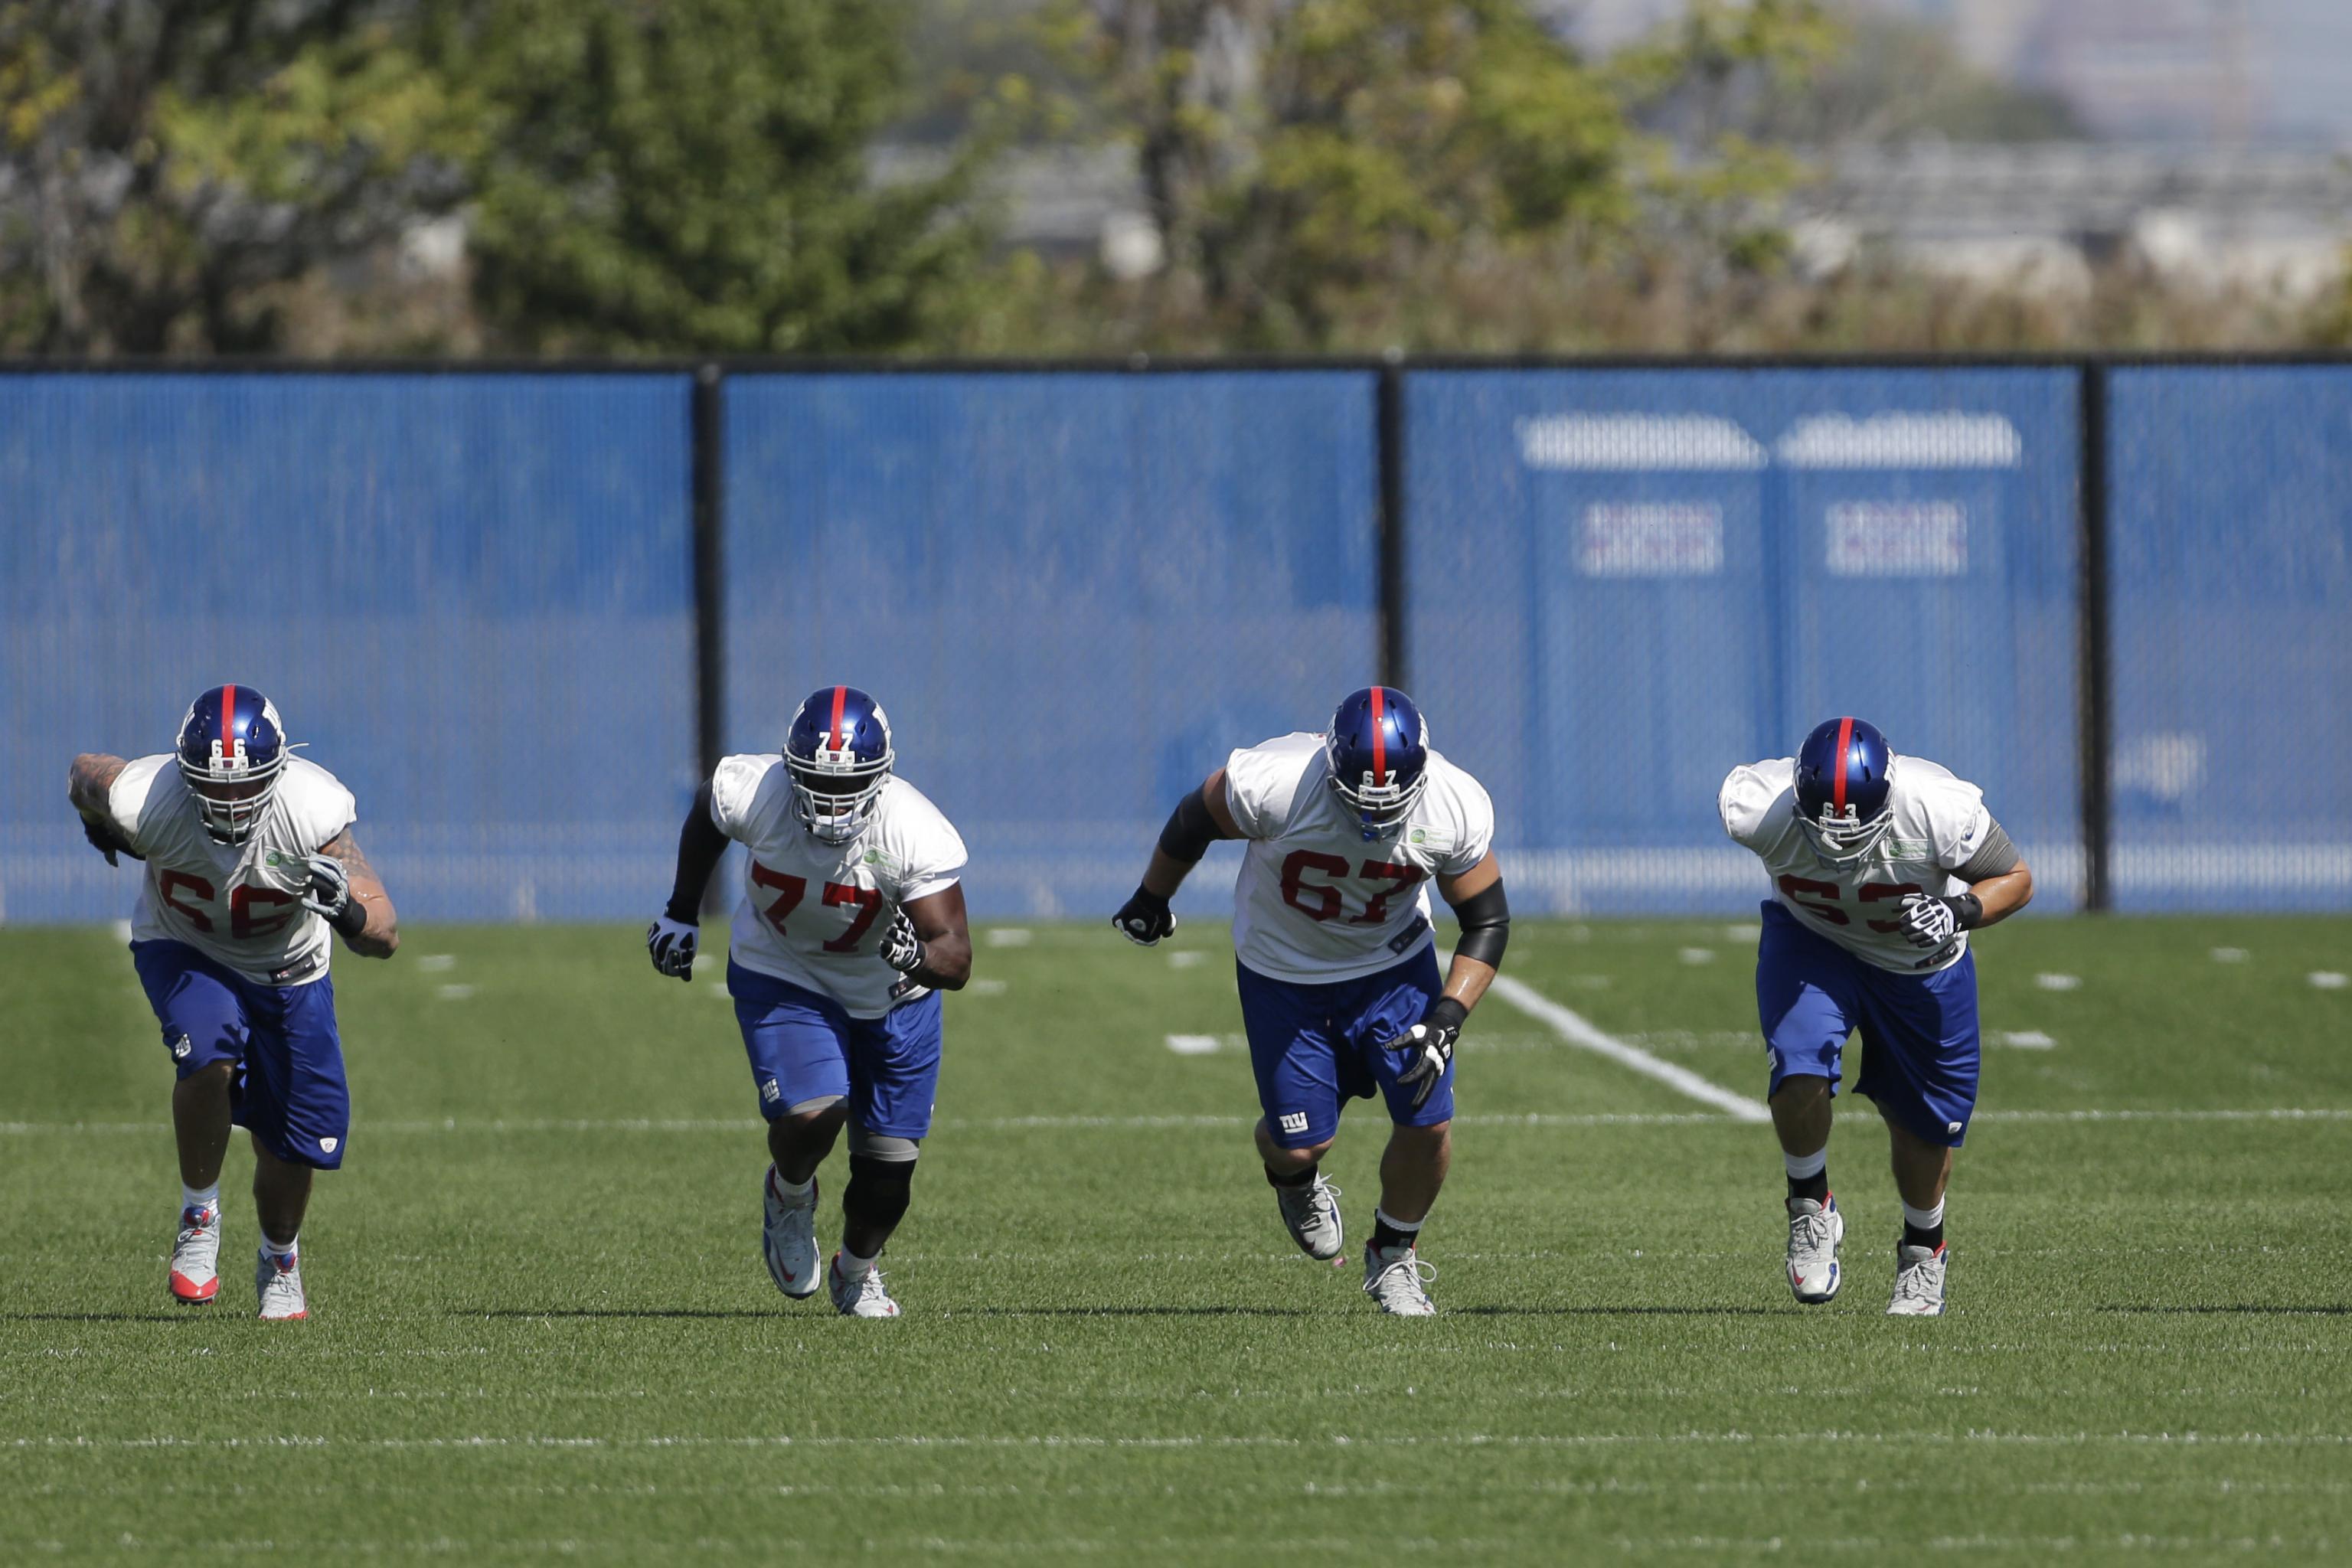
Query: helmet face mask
x=1376 y=757
x=839 y=755
x=1841 y=839
x=231 y=751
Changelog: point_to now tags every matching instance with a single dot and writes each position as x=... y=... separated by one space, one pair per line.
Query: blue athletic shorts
x=1313 y=1047
x=289 y=1089
x=1920 y=1049
x=803 y=1047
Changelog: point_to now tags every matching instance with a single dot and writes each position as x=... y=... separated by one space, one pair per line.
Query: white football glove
x=1928 y=921
x=672 y=945
x=901 y=948
x=329 y=890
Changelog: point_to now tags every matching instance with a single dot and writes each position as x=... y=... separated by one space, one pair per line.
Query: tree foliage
x=692 y=177
x=163 y=163
x=1311 y=164
x=688 y=176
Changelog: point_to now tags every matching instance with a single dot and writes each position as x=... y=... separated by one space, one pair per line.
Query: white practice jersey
x=1315 y=901
x=813 y=913
x=1939 y=825
x=240 y=905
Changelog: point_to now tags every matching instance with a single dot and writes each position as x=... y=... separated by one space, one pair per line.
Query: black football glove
x=901 y=948
x=1144 y=919
x=107 y=841
x=672 y=945
x=1431 y=1041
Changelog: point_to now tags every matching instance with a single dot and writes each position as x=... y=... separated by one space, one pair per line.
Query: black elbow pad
x=1485 y=926
x=1189 y=831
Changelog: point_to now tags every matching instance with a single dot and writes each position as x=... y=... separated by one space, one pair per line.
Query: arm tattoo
x=345 y=848
x=91 y=785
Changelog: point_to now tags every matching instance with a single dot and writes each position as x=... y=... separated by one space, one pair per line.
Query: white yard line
x=1573 y=1027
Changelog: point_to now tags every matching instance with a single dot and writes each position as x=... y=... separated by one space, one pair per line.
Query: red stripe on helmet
x=229 y=722
x=840 y=700
x=1845 y=739
x=1380 y=743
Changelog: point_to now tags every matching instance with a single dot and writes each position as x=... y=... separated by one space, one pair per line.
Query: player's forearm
x=700 y=846
x=1166 y=873
x=379 y=934
x=1467 y=980
x=947 y=961
x=90 y=785
x=2002 y=896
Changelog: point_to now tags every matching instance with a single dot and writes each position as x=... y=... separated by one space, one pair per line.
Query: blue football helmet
x=1844 y=788
x=231 y=750
x=1378 y=753
x=838 y=754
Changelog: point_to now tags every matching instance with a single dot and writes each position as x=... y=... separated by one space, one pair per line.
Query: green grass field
x=541 y=1328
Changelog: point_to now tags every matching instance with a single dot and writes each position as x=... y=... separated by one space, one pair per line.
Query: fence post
x=2096 y=695
x=1388 y=425
x=709 y=436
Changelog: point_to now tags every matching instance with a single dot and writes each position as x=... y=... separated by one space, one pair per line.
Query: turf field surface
x=541 y=1328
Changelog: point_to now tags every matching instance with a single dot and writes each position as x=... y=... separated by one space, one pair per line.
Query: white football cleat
x=1918 y=1282
x=1815 y=1231
x=1311 y=1215
x=277 y=1281
x=1396 y=1279
x=788 y=1239
x=196 y=1258
x=862 y=1297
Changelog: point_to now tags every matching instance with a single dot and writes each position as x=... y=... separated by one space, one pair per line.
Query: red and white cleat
x=196 y=1258
x=277 y=1281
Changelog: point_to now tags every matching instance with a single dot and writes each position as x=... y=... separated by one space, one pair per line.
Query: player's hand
x=1928 y=923
x=328 y=892
x=672 y=945
x=1144 y=919
x=107 y=841
x=901 y=948
x=1431 y=1041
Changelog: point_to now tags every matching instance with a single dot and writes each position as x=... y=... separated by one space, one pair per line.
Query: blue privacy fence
x=520 y=611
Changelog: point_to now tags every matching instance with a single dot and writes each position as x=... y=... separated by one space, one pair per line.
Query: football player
x=250 y=864
x=1881 y=865
x=851 y=924
x=1336 y=959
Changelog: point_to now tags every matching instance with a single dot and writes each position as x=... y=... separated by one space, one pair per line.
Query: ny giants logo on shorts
x=1294 y=1121
x=769 y=1091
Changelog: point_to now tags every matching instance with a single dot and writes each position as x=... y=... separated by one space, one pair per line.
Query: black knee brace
x=878 y=1192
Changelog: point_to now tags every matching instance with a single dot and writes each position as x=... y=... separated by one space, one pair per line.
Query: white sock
x=1924 y=1219
x=1805 y=1167
x=204 y=1198
x=791 y=1192
x=275 y=1248
x=854 y=1267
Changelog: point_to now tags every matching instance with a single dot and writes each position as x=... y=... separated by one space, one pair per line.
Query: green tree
x=1320 y=170
x=692 y=177
x=169 y=163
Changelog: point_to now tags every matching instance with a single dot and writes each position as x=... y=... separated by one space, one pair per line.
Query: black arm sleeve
x=1995 y=857
x=700 y=846
x=1485 y=926
x=1190 y=829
